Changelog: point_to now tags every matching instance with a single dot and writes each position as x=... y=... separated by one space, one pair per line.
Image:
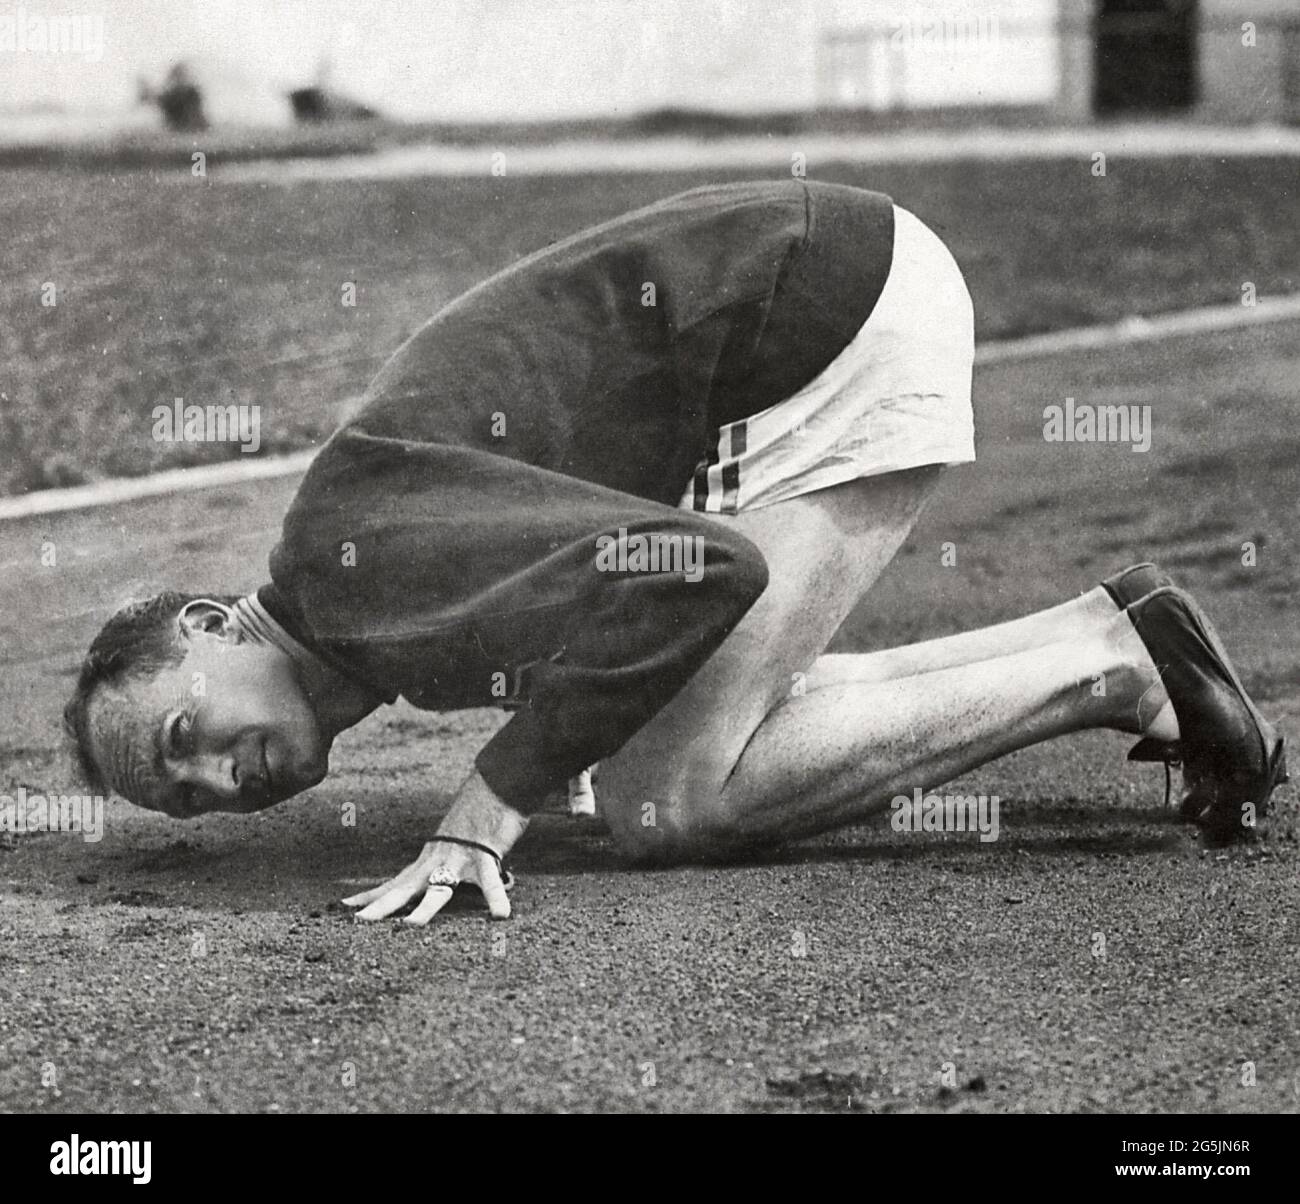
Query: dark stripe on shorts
x=701 y=499
x=701 y=485
x=731 y=469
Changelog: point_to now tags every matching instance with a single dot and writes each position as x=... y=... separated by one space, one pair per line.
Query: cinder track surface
x=208 y=967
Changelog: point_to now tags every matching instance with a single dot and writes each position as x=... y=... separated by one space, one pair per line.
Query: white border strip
x=1207 y=320
x=174 y=480
x=1084 y=338
x=769 y=152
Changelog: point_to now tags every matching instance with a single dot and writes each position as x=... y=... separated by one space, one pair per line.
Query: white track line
x=772 y=152
x=174 y=480
x=1136 y=329
x=1085 y=338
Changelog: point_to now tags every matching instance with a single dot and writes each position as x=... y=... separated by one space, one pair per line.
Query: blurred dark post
x=180 y=99
x=1145 y=56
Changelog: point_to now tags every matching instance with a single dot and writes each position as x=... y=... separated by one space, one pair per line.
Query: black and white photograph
x=651 y=557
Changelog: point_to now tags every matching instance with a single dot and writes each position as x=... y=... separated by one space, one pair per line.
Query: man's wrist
x=480 y=816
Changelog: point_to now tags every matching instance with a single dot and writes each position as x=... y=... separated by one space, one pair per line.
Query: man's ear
x=204 y=616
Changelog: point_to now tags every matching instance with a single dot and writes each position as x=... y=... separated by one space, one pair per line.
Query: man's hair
x=136 y=642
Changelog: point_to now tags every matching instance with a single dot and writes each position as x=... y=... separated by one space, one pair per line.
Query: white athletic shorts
x=898 y=396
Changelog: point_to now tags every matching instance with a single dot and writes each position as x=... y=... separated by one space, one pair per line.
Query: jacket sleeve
x=632 y=640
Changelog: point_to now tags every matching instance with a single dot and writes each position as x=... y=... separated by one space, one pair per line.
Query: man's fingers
x=435 y=899
x=382 y=901
x=394 y=899
x=410 y=878
x=494 y=893
x=415 y=875
x=366 y=896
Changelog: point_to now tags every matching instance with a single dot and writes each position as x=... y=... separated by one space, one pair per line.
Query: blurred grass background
x=229 y=294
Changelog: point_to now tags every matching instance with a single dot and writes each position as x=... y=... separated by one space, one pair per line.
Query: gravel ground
x=1094 y=958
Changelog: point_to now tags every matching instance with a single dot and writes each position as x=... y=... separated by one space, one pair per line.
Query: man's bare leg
x=1057 y=624
x=746 y=753
x=814 y=763
x=1036 y=630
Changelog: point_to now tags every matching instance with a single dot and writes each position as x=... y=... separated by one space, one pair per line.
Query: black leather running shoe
x=1232 y=755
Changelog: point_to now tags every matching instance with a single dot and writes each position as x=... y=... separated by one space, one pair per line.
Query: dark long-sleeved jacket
x=446 y=544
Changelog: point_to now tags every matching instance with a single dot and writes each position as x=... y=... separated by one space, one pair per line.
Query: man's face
x=226 y=728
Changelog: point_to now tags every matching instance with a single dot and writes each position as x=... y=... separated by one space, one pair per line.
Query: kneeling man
x=629 y=488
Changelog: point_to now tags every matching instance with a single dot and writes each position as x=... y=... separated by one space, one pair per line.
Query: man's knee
x=673 y=829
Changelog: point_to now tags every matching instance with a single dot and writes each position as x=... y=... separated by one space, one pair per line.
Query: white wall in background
x=518 y=59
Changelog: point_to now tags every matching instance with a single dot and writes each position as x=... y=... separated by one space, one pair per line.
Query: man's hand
x=437 y=861
x=476 y=815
